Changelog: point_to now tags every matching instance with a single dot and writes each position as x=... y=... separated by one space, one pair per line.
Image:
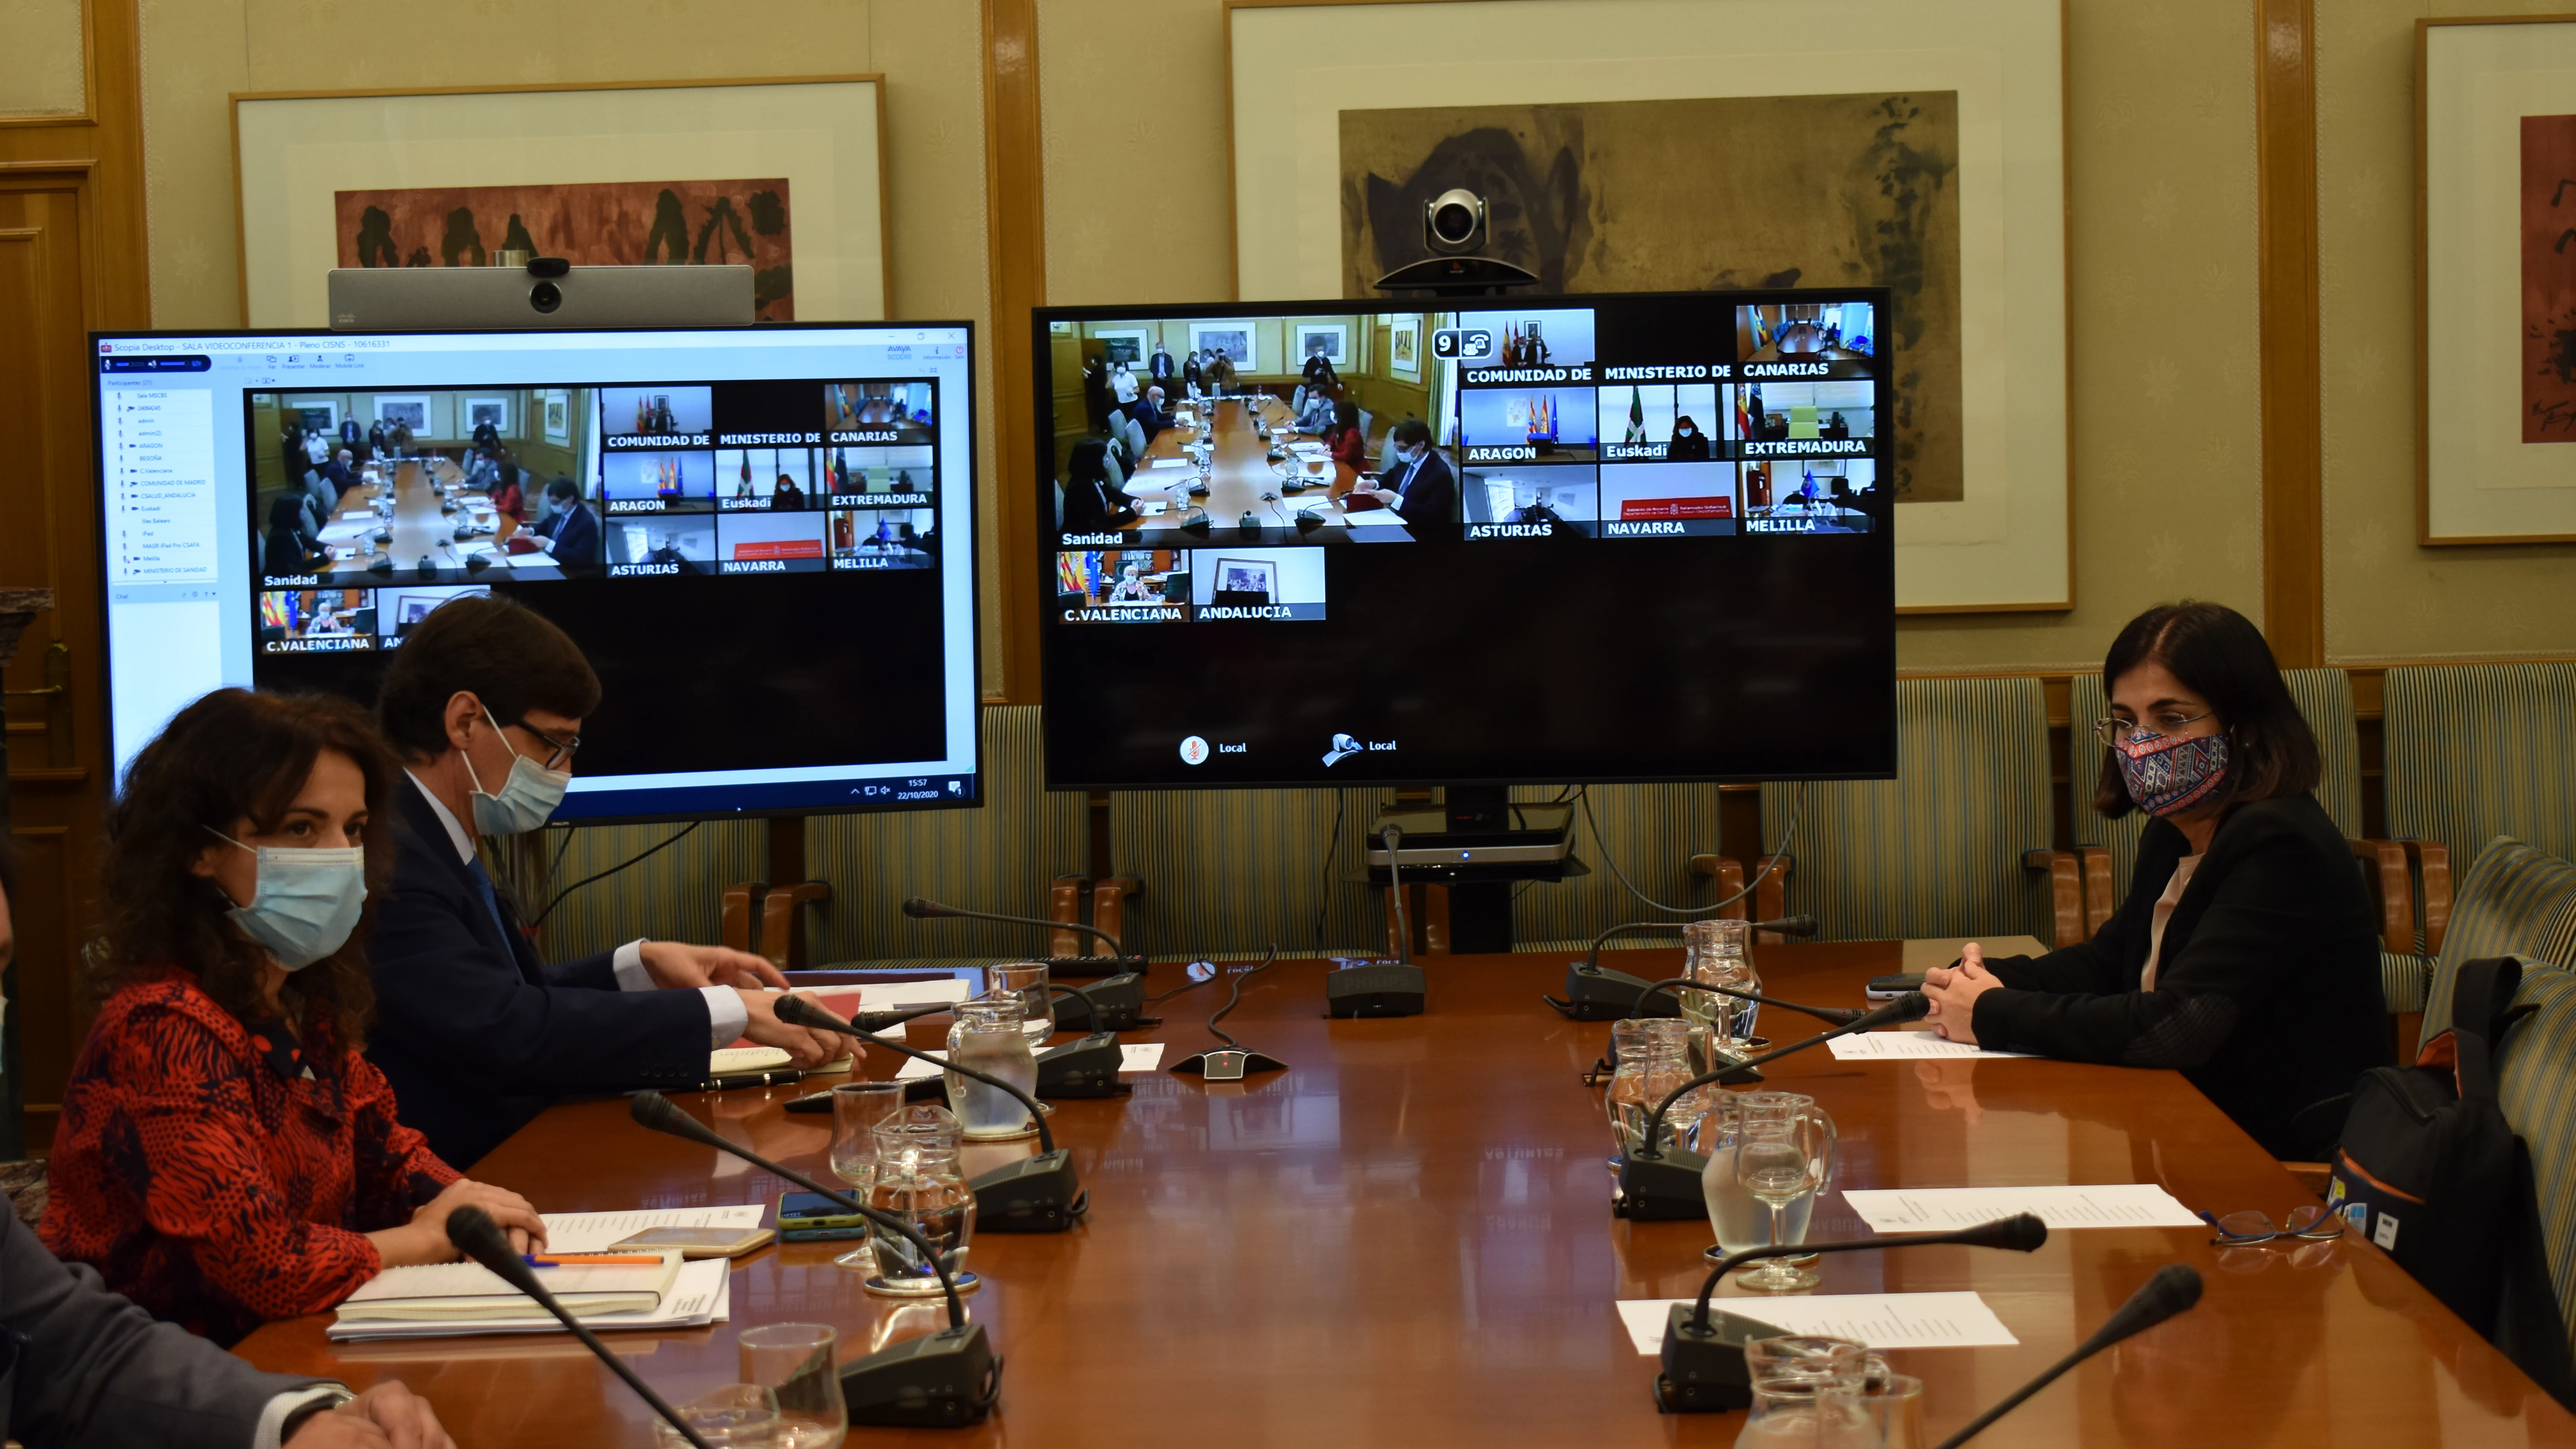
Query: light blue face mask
x=528 y=797
x=306 y=903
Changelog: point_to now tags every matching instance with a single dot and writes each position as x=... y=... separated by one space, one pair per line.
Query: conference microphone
x=938 y=1380
x=1703 y=1359
x=472 y=1232
x=1662 y=1185
x=1033 y=1195
x=1381 y=988
x=1116 y=1002
x=1594 y=993
x=1085 y=1068
x=2174 y=1289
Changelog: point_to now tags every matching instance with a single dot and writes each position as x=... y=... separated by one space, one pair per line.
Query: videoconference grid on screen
x=1652 y=540
x=757 y=552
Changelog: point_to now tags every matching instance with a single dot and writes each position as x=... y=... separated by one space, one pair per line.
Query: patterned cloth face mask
x=2167 y=775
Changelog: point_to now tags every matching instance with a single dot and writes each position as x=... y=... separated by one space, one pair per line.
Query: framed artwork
x=1404 y=348
x=2496 y=280
x=1236 y=339
x=785 y=175
x=320 y=415
x=1248 y=576
x=1129 y=345
x=1331 y=339
x=1935 y=130
x=557 y=404
x=481 y=410
x=411 y=410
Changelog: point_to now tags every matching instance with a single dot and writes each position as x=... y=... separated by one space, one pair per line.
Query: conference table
x=1240 y=471
x=418 y=525
x=1406 y=1238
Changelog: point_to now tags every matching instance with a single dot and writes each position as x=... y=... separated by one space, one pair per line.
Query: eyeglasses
x=2243 y=1229
x=563 y=750
x=2112 y=731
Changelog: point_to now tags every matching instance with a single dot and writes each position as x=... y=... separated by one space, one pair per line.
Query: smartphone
x=698 y=1242
x=810 y=1217
x=1888 y=988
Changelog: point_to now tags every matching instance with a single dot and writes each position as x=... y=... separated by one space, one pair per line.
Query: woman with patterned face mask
x=225 y=1155
x=2244 y=955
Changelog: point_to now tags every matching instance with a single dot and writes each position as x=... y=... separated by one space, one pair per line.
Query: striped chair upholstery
x=1938 y=850
x=998 y=858
x=2515 y=901
x=2536 y=1086
x=1229 y=872
x=2478 y=751
x=1650 y=832
x=2323 y=695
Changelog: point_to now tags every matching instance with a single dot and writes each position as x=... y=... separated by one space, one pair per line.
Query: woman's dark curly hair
x=231 y=756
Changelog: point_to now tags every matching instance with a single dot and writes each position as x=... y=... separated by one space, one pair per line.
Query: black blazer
x=1431 y=498
x=576 y=536
x=2267 y=993
x=1093 y=506
x=475 y=1033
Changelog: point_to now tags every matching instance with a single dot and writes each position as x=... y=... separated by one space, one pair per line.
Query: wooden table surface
x=418 y=528
x=1405 y=1239
x=1239 y=472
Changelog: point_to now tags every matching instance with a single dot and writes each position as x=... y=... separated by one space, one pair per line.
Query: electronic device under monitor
x=768 y=556
x=1652 y=541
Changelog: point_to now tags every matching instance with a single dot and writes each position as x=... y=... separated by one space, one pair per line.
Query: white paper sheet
x=1885 y=1046
x=1167 y=462
x=1144 y=1057
x=593 y=1232
x=1881 y=1320
x=1942 y=1209
x=915 y=1069
x=1376 y=518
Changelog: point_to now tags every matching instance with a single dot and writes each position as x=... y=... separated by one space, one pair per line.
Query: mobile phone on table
x=1888 y=988
x=810 y=1217
x=696 y=1243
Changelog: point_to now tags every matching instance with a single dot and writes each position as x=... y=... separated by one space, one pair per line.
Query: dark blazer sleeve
x=450 y=993
x=2101 y=965
x=92 y=1371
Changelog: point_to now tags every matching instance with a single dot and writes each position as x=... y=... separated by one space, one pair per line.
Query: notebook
x=451 y=1292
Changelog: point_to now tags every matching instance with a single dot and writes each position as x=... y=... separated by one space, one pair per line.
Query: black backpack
x=2429 y=1170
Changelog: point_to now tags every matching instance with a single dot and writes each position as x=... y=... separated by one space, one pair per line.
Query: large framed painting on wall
x=1678 y=145
x=787 y=176
x=2496 y=280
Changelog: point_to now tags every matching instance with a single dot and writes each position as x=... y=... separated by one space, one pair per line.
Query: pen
x=569 y=1260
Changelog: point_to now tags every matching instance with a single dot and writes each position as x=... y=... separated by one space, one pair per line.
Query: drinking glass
x=918 y=1181
x=737 y=1416
x=991 y=1036
x=857 y=1110
x=1895 y=1406
x=1716 y=952
x=1028 y=983
x=1807 y=1391
x=1668 y=1040
x=1652 y=1061
x=1782 y=1152
x=794 y=1361
x=1625 y=1099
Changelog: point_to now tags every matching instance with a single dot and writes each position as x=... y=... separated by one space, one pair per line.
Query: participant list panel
x=161 y=481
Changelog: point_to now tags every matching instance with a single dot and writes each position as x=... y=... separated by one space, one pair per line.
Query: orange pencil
x=566 y=1260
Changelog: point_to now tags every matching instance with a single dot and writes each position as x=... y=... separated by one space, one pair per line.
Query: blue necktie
x=491 y=898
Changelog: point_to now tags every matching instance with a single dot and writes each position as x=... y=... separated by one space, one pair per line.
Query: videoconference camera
x=547 y=292
x=1453 y=223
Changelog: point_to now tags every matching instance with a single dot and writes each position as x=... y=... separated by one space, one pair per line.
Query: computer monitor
x=762 y=538
x=1648 y=538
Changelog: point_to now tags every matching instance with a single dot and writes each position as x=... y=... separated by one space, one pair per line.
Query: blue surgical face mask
x=528 y=797
x=306 y=903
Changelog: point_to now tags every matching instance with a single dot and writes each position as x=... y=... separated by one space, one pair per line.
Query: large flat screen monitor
x=767 y=551
x=1648 y=538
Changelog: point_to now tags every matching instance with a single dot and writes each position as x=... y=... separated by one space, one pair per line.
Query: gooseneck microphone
x=938 y=1380
x=1381 y=988
x=2174 y=1289
x=1830 y=1015
x=471 y=1231
x=1593 y=993
x=1393 y=839
x=1703 y=1356
x=1033 y=1195
x=1659 y=1184
x=1116 y=1002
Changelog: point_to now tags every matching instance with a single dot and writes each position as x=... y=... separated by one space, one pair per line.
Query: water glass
x=1783 y=1155
x=1653 y=1060
x=795 y=1362
x=1895 y=1406
x=1028 y=983
x=990 y=1036
x=857 y=1110
x=917 y=1180
x=737 y=1416
x=1717 y=952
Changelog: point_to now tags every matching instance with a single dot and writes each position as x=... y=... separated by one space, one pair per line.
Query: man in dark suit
x=1418 y=484
x=486 y=435
x=90 y=1370
x=476 y=1033
x=341 y=473
x=570 y=534
x=1160 y=365
x=351 y=435
x=1149 y=415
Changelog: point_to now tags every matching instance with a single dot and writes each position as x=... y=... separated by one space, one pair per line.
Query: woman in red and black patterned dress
x=225 y=1155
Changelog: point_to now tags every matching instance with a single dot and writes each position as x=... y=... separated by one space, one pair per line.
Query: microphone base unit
x=1703 y=1372
x=1033 y=1195
x=1228 y=1064
x=1078 y=966
x=1380 y=988
x=1121 y=999
x=1661 y=1189
x=1085 y=1068
x=1597 y=993
x=942 y=1380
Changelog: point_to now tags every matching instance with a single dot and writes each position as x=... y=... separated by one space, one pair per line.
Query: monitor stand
x=1480 y=912
x=1482 y=848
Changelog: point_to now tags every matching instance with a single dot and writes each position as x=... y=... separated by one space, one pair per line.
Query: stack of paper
x=699 y=1294
x=2093 y=1205
x=1880 y=1046
x=465 y=1292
